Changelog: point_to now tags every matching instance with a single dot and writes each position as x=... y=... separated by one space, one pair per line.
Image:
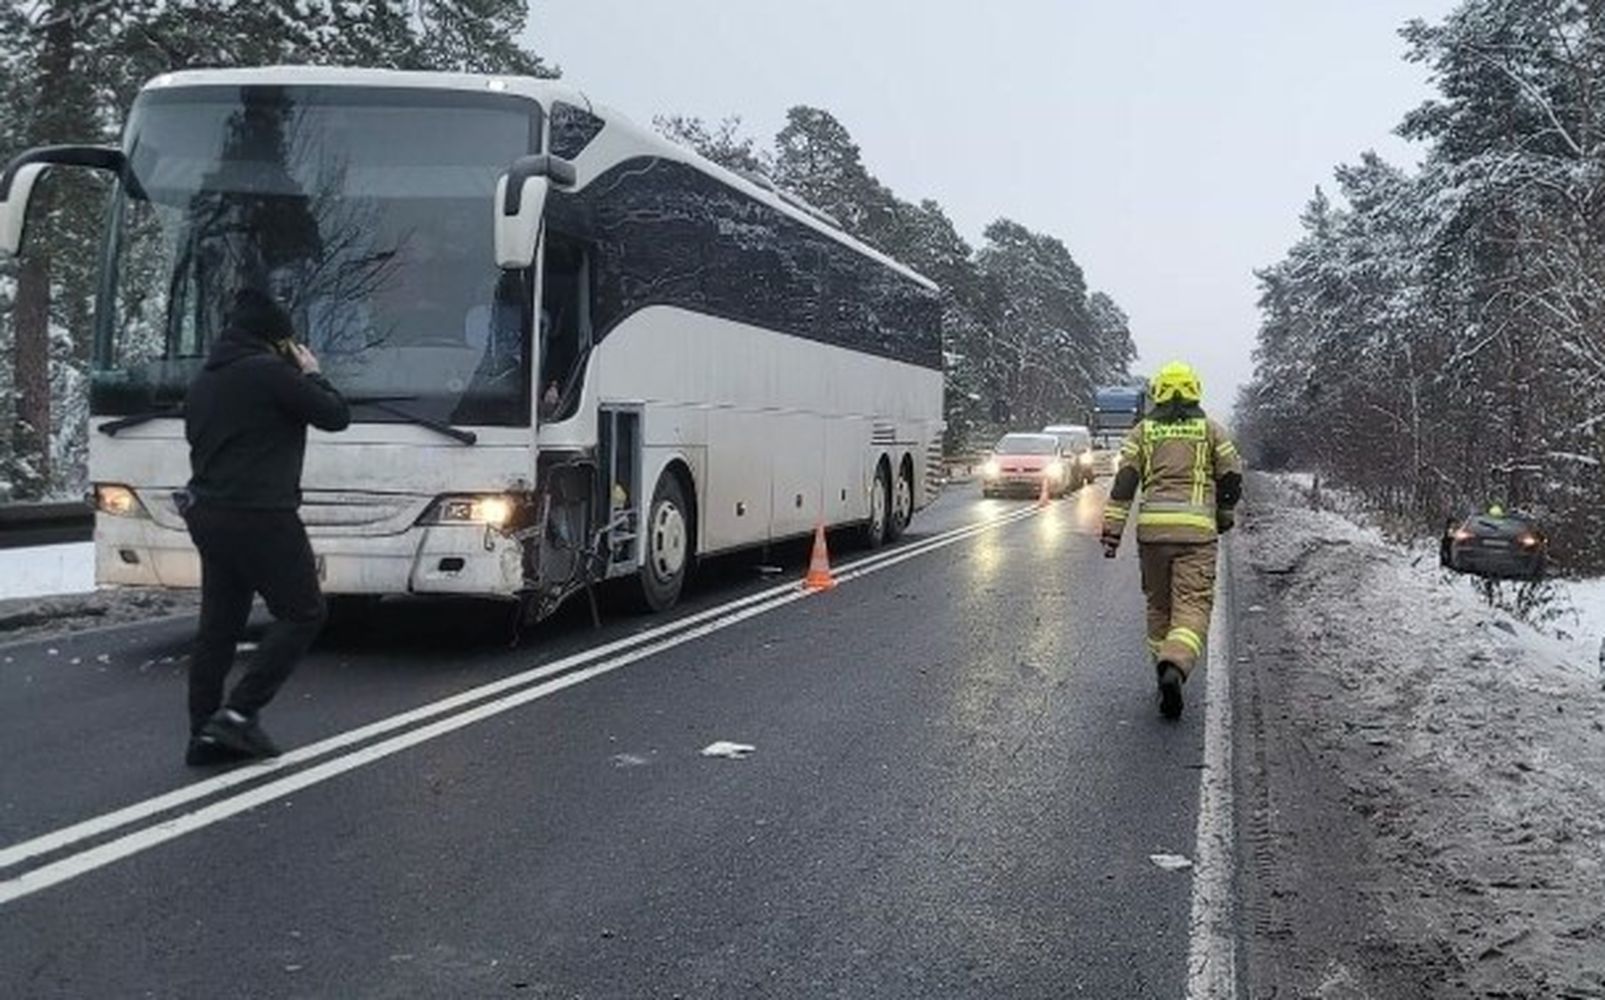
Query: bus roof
x=627 y=138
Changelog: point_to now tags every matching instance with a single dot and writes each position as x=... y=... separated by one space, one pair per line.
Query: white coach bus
x=574 y=350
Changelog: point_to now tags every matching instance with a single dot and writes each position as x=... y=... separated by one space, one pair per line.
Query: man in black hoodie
x=246 y=418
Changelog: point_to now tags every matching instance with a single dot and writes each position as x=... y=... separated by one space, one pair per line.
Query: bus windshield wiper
x=111 y=427
x=383 y=403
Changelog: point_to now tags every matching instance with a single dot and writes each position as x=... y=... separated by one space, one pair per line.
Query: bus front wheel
x=668 y=545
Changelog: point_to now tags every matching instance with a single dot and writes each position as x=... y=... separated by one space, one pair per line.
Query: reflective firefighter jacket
x=1189 y=474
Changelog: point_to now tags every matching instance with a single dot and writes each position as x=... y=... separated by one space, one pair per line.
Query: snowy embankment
x=47 y=570
x=1464 y=748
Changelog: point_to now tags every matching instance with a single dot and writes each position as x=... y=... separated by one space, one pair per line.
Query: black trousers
x=243 y=553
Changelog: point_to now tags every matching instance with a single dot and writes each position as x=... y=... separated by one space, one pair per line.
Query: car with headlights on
x=1075 y=441
x=1496 y=545
x=1021 y=463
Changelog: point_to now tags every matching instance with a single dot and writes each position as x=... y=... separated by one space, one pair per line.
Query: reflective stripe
x=1226 y=450
x=1178 y=507
x=1163 y=520
x=1115 y=514
x=1187 y=637
x=1200 y=471
x=1182 y=430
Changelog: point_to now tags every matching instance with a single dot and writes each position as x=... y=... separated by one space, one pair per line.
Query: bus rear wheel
x=902 y=503
x=880 y=503
x=668 y=545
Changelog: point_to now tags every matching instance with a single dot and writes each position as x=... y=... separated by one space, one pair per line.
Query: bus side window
x=565 y=324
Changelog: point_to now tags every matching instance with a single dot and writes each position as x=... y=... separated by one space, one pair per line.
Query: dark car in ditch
x=1496 y=544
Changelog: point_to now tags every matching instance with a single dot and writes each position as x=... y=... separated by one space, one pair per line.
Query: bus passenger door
x=619 y=469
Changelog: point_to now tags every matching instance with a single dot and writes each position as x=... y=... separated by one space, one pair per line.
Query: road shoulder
x=1421 y=784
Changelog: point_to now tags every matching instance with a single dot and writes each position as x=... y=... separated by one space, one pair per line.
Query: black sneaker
x=238 y=733
x=1170 y=681
x=204 y=751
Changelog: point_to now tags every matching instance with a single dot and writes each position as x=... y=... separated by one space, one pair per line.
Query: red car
x=1022 y=462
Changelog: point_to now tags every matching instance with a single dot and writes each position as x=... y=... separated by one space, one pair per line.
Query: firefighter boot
x=1170 y=682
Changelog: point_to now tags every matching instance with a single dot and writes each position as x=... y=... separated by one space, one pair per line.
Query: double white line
x=355 y=748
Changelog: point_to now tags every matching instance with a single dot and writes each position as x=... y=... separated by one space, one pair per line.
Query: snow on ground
x=47 y=570
x=1472 y=744
x=1588 y=601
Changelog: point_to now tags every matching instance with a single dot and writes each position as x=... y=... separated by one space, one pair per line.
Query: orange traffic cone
x=819 y=576
x=1043 y=498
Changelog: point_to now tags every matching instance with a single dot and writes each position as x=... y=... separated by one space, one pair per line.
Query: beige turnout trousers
x=1178 y=578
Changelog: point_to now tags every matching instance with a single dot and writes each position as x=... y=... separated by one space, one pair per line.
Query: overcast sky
x=1169 y=143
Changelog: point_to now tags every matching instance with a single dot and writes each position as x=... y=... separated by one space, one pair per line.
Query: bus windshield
x=367 y=212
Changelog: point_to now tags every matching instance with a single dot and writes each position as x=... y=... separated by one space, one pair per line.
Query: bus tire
x=874 y=530
x=902 y=507
x=668 y=544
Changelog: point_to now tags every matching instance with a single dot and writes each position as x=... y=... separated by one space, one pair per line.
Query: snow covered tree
x=723 y=143
x=1433 y=342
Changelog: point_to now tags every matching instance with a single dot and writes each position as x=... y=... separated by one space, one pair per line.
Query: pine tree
x=1428 y=341
x=723 y=143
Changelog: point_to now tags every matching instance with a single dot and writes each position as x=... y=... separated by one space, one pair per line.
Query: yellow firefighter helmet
x=1176 y=381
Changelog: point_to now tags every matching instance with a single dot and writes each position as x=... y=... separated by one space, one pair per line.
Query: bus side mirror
x=14 y=207
x=21 y=174
x=521 y=204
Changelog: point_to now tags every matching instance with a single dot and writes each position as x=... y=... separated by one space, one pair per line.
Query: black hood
x=254 y=323
x=235 y=345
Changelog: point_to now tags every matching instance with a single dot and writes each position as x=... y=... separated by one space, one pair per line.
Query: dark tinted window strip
x=666 y=234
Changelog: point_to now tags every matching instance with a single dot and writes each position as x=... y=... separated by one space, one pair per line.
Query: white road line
x=1212 y=947
x=713 y=620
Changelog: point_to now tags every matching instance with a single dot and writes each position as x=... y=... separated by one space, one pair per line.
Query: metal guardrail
x=27 y=524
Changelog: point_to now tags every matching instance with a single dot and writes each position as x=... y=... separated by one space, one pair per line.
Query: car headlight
x=117 y=500
x=1085 y=458
x=494 y=510
x=1528 y=541
x=1054 y=470
x=991 y=469
x=1464 y=535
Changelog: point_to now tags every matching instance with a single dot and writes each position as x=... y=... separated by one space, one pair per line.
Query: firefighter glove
x=1225 y=520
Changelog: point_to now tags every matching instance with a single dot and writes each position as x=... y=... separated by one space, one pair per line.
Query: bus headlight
x=117 y=500
x=495 y=510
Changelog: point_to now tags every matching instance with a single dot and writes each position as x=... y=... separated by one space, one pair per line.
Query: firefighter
x=1191 y=479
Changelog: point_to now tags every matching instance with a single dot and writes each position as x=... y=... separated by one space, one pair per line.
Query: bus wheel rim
x=668 y=542
x=877 y=506
x=905 y=499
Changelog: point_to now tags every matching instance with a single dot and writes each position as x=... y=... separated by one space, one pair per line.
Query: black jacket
x=246 y=418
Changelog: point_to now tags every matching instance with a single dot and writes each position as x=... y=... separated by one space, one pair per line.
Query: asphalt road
x=959 y=776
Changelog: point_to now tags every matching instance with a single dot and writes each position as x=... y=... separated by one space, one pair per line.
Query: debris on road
x=1171 y=862
x=728 y=750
